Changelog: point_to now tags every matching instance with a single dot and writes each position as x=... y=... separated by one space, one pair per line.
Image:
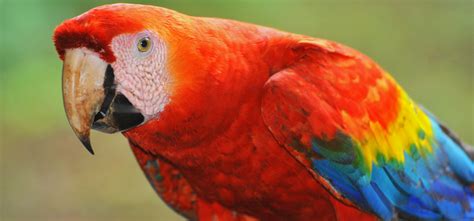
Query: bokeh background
x=47 y=175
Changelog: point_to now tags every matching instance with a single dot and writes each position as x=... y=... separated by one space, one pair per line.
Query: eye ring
x=144 y=44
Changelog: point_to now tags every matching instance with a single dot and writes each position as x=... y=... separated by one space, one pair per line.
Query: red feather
x=212 y=133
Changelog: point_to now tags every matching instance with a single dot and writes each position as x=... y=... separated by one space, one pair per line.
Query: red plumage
x=210 y=152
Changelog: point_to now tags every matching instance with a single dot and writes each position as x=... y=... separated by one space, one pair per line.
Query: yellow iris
x=144 y=44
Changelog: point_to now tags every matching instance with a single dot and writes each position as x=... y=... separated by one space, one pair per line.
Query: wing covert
x=345 y=118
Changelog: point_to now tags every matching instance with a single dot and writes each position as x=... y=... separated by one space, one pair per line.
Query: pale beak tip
x=87 y=144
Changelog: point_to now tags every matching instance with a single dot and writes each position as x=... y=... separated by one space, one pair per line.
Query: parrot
x=236 y=121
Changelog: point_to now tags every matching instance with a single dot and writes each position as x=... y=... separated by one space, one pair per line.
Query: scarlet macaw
x=236 y=121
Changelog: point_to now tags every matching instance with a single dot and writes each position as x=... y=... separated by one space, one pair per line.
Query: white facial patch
x=141 y=75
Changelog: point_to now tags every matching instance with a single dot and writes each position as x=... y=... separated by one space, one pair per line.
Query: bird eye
x=144 y=44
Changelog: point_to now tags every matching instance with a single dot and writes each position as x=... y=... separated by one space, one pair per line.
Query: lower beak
x=90 y=98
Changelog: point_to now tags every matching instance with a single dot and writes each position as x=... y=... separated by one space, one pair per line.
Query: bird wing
x=363 y=138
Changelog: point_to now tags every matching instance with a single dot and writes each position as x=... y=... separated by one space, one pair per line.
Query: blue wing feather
x=429 y=187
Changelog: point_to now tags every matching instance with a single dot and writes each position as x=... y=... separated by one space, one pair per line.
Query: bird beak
x=90 y=97
x=83 y=91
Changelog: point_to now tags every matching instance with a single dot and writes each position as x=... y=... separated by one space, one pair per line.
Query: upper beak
x=91 y=99
x=83 y=91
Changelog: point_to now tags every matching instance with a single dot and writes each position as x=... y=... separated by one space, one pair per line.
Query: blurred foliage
x=427 y=46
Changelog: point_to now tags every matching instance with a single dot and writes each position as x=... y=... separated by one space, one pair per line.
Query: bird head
x=116 y=73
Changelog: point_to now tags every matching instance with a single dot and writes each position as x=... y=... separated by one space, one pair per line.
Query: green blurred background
x=47 y=175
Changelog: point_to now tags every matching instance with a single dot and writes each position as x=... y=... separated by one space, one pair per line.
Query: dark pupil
x=144 y=43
